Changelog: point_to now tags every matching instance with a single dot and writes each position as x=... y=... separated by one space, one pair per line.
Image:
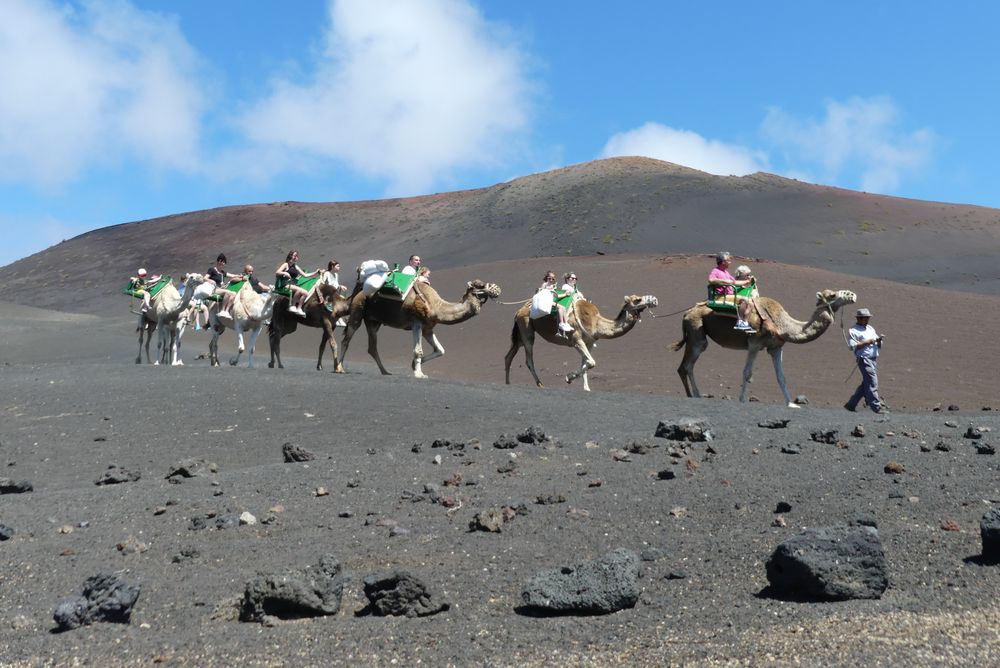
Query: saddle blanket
x=133 y=290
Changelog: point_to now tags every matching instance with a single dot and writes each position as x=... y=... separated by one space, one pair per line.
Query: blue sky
x=119 y=110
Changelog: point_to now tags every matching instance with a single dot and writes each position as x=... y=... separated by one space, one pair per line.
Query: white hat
x=142 y=272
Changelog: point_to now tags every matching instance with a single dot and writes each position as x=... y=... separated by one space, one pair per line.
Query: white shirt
x=408 y=270
x=571 y=288
x=331 y=278
x=859 y=333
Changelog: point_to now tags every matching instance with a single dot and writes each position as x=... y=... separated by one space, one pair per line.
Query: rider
x=412 y=266
x=723 y=283
x=220 y=277
x=286 y=275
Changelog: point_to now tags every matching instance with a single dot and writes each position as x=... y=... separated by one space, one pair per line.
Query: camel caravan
x=734 y=315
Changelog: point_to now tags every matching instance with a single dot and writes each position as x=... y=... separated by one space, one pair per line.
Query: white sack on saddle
x=370 y=267
x=206 y=289
x=541 y=304
x=372 y=284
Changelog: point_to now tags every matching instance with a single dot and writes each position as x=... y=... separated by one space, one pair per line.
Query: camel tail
x=680 y=344
x=515 y=336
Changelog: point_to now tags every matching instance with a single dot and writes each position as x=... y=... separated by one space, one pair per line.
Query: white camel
x=164 y=311
x=249 y=312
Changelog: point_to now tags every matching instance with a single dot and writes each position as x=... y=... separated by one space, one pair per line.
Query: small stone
x=858 y=431
x=437 y=459
x=595 y=483
x=985 y=449
x=65 y=529
x=591 y=445
x=779 y=521
x=321 y=491
x=159 y=510
x=783 y=507
x=247 y=519
x=950 y=525
x=678 y=512
x=791 y=449
x=894 y=468
x=954 y=407
x=950 y=423
x=666 y=474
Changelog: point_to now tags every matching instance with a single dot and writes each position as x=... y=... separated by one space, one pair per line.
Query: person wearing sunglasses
x=570 y=286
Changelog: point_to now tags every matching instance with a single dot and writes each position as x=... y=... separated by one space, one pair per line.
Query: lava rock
x=985 y=449
x=106 y=598
x=791 y=449
x=506 y=442
x=313 y=591
x=293 y=453
x=825 y=436
x=399 y=593
x=601 y=586
x=830 y=564
x=686 y=429
x=8 y=486
x=191 y=467
x=773 y=424
x=116 y=475
x=989 y=529
x=532 y=435
x=783 y=507
x=6 y=533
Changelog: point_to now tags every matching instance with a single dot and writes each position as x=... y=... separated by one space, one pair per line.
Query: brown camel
x=317 y=315
x=588 y=326
x=422 y=309
x=774 y=328
x=165 y=310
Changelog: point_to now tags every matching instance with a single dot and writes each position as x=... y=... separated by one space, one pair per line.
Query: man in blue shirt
x=866 y=344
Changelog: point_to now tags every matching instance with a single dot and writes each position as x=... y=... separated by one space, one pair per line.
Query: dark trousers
x=868 y=387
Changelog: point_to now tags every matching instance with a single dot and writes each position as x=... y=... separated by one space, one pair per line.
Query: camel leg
x=213 y=345
x=240 y=347
x=587 y=363
x=254 y=333
x=515 y=345
x=692 y=352
x=528 y=341
x=178 y=334
x=418 y=352
x=322 y=347
x=372 y=328
x=438 y=349
x=274 y=345
x=779 y=373
x=748 y=372
x=345 y=341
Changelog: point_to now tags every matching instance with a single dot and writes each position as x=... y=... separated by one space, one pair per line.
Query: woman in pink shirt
x=724 y=283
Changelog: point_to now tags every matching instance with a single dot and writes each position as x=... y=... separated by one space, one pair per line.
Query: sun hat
x=863 y=313
x=142 y=272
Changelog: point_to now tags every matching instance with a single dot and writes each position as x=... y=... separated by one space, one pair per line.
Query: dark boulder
x=399 y=593
x=8 y=486
x=989 y=528
x=601 y=586
x=294 y=594
x=293 y=453
x=686 y=429
x=116 y=475
x=830 y=564
x=106 y=598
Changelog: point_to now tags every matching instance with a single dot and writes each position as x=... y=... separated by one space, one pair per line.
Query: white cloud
x=858 y=140
x=406 y=91
x=90 y=83
x=687 y=148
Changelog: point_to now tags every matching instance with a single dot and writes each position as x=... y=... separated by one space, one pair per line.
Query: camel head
x=637 y=304
x=192 y=278
x=482 y=291
x=834 y=299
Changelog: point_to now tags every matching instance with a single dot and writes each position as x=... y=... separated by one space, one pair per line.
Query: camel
x=317 y=315
x=588 y=327
x=701 y=323
x=249 y=312
x=165 y=310
x=421 y=310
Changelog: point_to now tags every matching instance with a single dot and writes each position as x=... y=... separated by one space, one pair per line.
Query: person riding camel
x=723 y=284
x=286 y=275
x=218 y=275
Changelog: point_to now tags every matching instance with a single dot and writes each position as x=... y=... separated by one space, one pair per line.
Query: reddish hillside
x=615 y=206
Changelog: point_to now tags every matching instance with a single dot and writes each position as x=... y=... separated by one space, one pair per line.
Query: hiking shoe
x=145 y=309
x=741 y=324
x=197 y=327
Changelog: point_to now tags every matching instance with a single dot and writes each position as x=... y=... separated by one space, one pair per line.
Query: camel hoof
x=270 y=365
x=156 y=363
x=234 y=362
x=178 y=363
x=421 y=376
x=569 y=379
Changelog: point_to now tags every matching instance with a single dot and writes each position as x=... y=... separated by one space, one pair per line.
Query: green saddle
x=235 y=286
x=397 y=285
x=133 y=290
x=719 y=302
x=304 y=282
x=566 y=301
